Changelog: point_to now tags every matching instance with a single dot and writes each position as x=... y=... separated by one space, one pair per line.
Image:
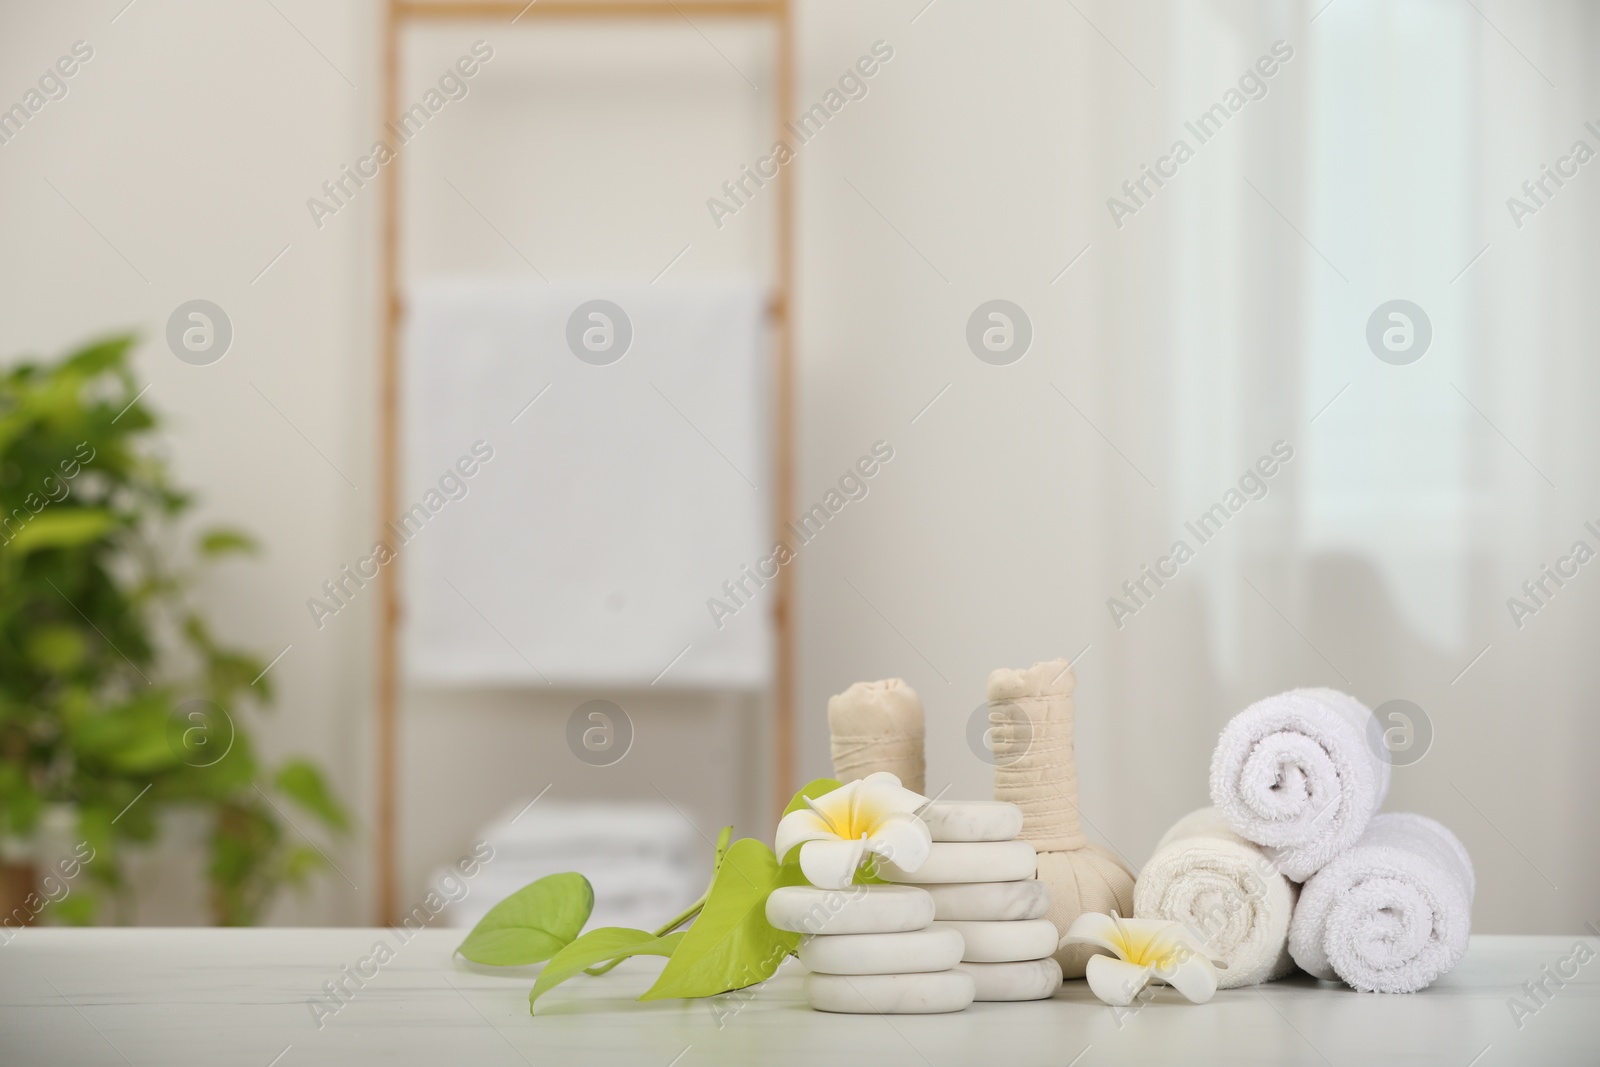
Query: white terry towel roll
x=1393 y=913
x=1297 y=773
x=1227 y=890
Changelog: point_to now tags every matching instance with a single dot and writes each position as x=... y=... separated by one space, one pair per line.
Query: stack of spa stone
x=873 y=949
x=980 y=879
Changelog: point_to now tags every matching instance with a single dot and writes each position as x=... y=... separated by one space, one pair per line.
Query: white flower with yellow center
x=837 y=831
x=1145 y=949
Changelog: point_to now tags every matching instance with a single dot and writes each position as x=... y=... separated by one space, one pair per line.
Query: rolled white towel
x=1226 y=890
x=1297 y=773
x=1393 y=913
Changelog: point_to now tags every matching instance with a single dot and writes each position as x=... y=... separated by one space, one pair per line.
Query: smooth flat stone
x=1030 y=939
x=1023 y=980
x=969 y=861
x=890 y=994
x=903 y=953
x=990 y=901
x=973 y=820
x=861 y=909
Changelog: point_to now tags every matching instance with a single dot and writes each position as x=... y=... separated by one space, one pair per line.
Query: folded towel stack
x=873 y=949
x=640 y=857
x=1295 y=772
x=1228 y=891
x=1392 y=913
x=981 y=880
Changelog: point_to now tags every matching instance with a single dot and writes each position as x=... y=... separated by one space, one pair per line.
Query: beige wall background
x=1168 y=354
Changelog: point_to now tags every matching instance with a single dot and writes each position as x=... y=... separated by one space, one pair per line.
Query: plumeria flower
x=837 y=831
x=1145 y=949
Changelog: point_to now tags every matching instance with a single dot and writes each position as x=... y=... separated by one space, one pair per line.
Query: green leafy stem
x=687 y=914
x=728 y=944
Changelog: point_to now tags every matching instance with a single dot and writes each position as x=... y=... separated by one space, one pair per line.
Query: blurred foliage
x=102 y=654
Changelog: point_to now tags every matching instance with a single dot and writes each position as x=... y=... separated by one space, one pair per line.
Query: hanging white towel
x=619 y=499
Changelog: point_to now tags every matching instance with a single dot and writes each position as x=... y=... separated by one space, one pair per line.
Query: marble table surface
x=217 y=997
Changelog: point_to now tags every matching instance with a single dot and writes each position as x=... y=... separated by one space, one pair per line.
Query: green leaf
x=812 y=790
x=130 y=739
x=95 y=826
x=90 y=584
x=99 y=356
x=20 y=804
x=300 y=862
x=302 y=783
x=76 y=909
x=532 y=924
x=63 y=528
x=596 y=946
x=731 y=945
x=56 y=648
x=223 y=540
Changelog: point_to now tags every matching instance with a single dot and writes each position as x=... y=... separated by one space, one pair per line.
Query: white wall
x=189 y=142
x=977 y=166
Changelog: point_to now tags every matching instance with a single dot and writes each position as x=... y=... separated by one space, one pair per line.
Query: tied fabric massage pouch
x=1030 y=722
x=877 y=726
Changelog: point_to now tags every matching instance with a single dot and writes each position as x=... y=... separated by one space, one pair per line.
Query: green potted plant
x=117 y=701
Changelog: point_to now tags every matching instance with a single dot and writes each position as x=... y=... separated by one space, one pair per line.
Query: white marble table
x=220 y=997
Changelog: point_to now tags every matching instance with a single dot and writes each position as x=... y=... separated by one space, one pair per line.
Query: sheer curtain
x=1420 y=495
x=1176 y=346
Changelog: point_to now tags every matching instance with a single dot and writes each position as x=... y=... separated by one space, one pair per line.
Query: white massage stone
x=990 y=901
x=861 y=909
x=1023 y=980
x=973 y=820
x=904 y=953
x=1004 y=942
x=890 y=994
x=969 y=861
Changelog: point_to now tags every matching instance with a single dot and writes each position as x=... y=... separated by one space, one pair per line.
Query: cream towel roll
x=1225 y=889
x=877 y=726
x=1030 y=724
